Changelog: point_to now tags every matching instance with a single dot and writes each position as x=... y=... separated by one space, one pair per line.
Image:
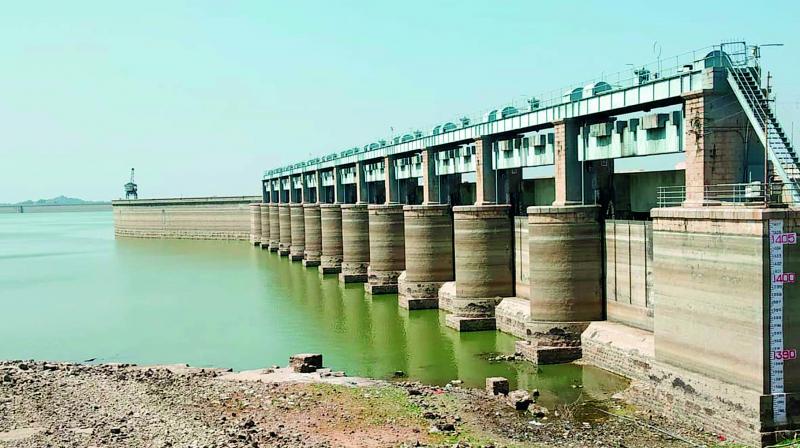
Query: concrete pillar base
x=417 y=303
x=274 y=245
x=324 y=270
x=265 y=246
x=330 y=264
x=381 y=282
x=547 y=355
x=552 y=342
x=353 y=272
x=418 y=290
x=283 y=251
x=256 y=243
x=467 y=314
x=417 y=295
x=352 y=278
x=379 y=289
x=464 y=324
x=310 y=263
x=295 y=257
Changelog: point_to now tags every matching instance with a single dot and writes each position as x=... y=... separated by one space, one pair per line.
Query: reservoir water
x=70 y=291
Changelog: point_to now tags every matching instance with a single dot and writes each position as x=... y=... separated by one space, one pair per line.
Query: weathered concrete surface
x=671 y=391
x=355 y=243
x=512 y=315
x=331 y=228
x=211 y=218
x=285 y=232
x=711 y=270
x=629 y=272
x=298 y=230
x=255 y=224
x=265 y=237
x=522 y=270
x=428 y=232
x=313 y=233
x=387 y=255
x=483 y=258
x=565 y=276
x=274 y=228
x=712 y=292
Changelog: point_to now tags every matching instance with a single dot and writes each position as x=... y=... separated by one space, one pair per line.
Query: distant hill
x=60 y=200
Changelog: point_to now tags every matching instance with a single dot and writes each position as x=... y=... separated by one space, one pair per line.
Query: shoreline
x=69 y=404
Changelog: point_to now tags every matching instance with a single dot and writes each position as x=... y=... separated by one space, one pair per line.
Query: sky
x=202 y=96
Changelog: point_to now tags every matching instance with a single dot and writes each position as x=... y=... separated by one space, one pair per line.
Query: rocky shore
x=116 y=405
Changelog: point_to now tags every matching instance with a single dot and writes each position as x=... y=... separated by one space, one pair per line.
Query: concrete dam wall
x=212 y=218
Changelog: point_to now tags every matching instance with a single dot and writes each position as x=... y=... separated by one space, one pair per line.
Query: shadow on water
x=228 y=304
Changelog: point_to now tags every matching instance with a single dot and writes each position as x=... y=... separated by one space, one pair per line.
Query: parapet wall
x=211 y=218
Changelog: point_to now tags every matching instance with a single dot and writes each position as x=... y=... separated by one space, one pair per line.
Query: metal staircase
x=745 y=82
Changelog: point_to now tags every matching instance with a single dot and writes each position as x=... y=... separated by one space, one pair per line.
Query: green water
x=69 y=291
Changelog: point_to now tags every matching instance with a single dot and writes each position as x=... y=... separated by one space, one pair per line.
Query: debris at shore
x=121 y=405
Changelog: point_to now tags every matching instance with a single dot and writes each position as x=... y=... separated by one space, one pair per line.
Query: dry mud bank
x=72 y=405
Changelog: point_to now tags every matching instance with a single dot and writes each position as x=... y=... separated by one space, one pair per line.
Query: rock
x=497 y=385
x=399 y=374
x=519 y=400
x=535 y=393
x=456 y=382
x=539 y=411
x=414 y=391
x=305 y=362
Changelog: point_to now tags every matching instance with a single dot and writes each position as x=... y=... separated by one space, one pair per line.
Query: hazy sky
x=202 y=96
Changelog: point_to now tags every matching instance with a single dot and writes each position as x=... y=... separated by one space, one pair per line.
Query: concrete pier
x=285 y=234
x=313 y=235
x=255 y=224
x=566 y=273
x=274 y=228
x=429 y=255
x=331 y=229
x=387 y=257
x=355 y=243
x=264 y=210
x=298 y=230
x=483 y=259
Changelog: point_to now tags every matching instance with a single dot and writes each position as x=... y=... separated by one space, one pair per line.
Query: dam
x=644 y=224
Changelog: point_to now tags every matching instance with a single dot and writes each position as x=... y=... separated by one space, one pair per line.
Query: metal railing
x=634 y=75
x=753 y=194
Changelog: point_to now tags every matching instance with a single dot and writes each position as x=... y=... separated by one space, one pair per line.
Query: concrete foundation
x=566 y=271
x=313 y=234
x=387 y=257
x=285 y=230
x=484 y=276
x=428 y=231
x=274 y=228
x=255 y=224
x=331 y=228
x=264 y=209
x=355 y=243
x=298 y=231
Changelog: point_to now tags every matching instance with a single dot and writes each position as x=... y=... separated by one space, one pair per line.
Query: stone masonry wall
x=216 y=218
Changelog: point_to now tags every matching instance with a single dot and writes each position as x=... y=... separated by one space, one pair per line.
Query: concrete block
x=305 y=362
x=497 y=386
x=547 y=355
x=464 y=324
x=417 y=303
